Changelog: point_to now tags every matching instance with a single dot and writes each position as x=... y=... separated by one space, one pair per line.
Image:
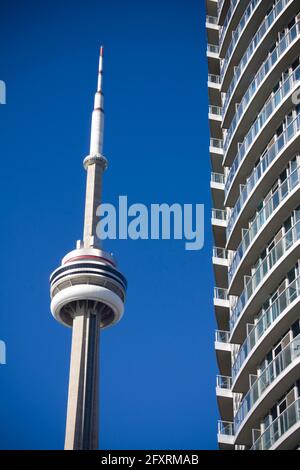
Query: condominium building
x=253 y=54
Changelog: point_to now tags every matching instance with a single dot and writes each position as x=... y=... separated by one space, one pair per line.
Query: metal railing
x=214 y=79
x=264 y=164
x=263 y=269
x=222 y=336
x=220 y=253
x=211 y=20
x=275 y=310
x=237 y=33
x=262 y=31
x=282 y=193
x=278 y=427
x=215 y=110
x=212 y=48
x=230 y=11
x=217 y=143
x=220 y=293
x=225 y=428
x=273 y=102
x=224 y=382
x=219 y=214
x=266 y=378
x=217 y=178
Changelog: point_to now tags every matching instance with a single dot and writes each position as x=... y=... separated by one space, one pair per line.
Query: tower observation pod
x=88 y=294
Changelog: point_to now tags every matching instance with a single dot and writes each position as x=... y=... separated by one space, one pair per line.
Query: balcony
x=237 y=34
x=236 y=130
x=214 y=80
x=285 y=364
x=219 y=224
x=215 y=119
x=216 y=154
x=212 y=29
x=278 y=257
x=272 y=324
x=231 y=22
x=276 y=102
x=223 y=351
x=223 y=6
x=281 y=202
x=224 y=397
x=217 y=187
x=261 y=42
x=211 y=20
x=288 y=140
x=212 y=7
x=283 y=433
x=213 y=59
x=225 y=435
x=223 y=30
x=214 y=87
x=220 y=264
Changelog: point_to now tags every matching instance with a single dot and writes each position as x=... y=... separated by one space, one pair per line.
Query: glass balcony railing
x=282 y=193
x=224 y=382
x=216 y=79
x=273 y=103
x=215 y=110
x=225 y=428
x=217 y=143
x=222 y=336
x=268 y=317
x=220 y=253
x=217 y=178
x=220 y=6
x=227 y=20
x=281 y=247
x=237 y=33
x=262 y=31
x=219 y=214
x=263 y=71
x=261 y=169
x=279 y=427
x=266 y=378
x=212 y=48
x=220 y=294
x=211 y=20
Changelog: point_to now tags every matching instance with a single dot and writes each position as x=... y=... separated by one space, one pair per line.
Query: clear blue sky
x=158 y=365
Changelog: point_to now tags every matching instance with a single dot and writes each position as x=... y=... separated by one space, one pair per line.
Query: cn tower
x=87 y=294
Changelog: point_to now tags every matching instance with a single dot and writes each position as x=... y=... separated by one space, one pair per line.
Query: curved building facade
x=253 y=56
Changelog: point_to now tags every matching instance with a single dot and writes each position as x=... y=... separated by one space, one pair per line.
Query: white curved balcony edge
x=290 y=438
x=251 y=105
x=226 y=24
x=231 y=22
x=263 y=176
x=254 y=58
x=264 y=287
x=222 y=10
x=273 y=392
x=264 y=343
x=283 y=432
x=244 y=26
x=259 y=141
x=275 y=218
x=225 y=435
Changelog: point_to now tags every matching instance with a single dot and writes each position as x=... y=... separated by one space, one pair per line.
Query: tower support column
x=83 y=397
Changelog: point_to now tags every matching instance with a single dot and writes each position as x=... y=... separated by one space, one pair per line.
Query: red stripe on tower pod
x=89 y=257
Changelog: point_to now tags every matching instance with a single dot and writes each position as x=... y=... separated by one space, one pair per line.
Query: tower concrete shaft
x=88 y=294
x=83 y=412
